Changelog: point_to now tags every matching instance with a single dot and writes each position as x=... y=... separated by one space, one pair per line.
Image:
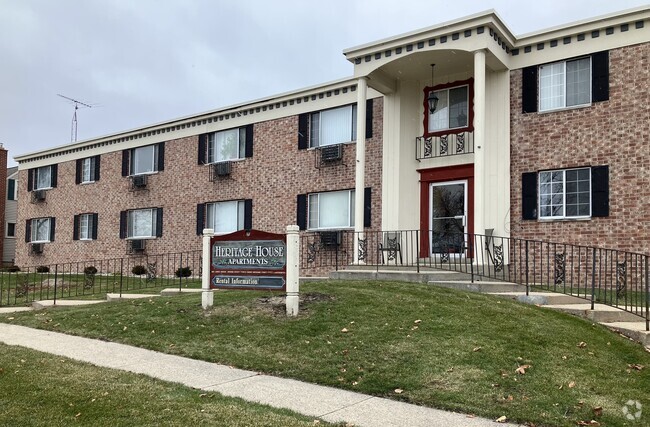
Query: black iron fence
x=93 y=279
x=598 y=275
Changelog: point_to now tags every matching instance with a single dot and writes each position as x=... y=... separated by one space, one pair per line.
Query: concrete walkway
x=327 y=403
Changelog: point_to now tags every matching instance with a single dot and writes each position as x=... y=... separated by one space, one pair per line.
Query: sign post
x=207 y=295
x=293 y=270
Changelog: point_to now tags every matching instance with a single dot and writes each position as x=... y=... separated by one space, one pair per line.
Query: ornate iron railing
x=443 y=146
x=598 y=275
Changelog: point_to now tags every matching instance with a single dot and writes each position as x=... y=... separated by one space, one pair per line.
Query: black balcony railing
x=598 y=275
x=443 y=146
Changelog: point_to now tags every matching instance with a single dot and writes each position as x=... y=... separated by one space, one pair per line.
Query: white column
x=207 y=295
x=293 y=270
x=360 y=169
x=479 y=145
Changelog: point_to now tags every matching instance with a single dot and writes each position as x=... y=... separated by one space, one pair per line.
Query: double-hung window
x=334 y=126
x=565 y=84
x=42 y=178
x=85 y=227
x=87 y=170
x=40 y=230
x=452 y=111
x=227 y=145
x=565 y=193
x=142 y=223
x=331 y=210
x=225 y=217
x=143 y=160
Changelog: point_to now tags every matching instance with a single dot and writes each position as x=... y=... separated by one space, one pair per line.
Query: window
x=11 y=190
x=452 y=110
x=40 y=230
x=331 y=210
x=226 y=145
x=85 y=227
x=565 y=193
x=142 y=223
x=565 y=84
x=11 y=229
x=87 y=170
x=225 y=217
x=143 y=160
x=335 y=126
x=42 y=178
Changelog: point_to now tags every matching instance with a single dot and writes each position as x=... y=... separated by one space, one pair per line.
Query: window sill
x=42 y=189
x=40 y=241
x=556 y=110
x=224 y=161
x=86 y=240
x=576 y=219
x=141 y=238
x=330 y=145
x=86 y=182
x=143 y=173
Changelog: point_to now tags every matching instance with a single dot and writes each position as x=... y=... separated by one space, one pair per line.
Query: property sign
x=248 y=260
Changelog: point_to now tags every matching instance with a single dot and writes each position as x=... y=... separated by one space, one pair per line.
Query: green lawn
x=430 y=346
x=38 y=389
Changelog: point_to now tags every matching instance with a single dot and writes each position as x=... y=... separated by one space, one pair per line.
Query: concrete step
x=540 y=298
x=601 y=313
x=635 y=330
x=490 y=287
x=402 y=275
x=118 y=297
x=39 y=305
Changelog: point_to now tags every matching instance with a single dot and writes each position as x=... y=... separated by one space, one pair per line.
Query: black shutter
x=75 y=228
x=52 y=228
x=30 y=179
x=78 y=169
x=529 y=90
x=529 y=195
x=249 y=141
x=248 y=214
x=11 y=189
x=200 y=218
x=600 y=76
x=97 y=163
x=203 y=149
x=369 y=118
x=54 y=171
x=123 y=224
x=126 y=154
x=159 y=222
x=367 y=206
x=95 y=218
x=303 y=131
x=600 y=191
x=161 y=157
x=301 y=213
x=28 y=231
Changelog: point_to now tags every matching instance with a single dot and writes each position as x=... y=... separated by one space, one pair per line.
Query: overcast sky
x=139 y=62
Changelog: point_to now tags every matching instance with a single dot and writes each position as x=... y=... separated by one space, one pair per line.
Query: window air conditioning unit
x=222 y=168
x=331 y=153
x=38 y=196
x=36 y=248
x=330 y=239
x=136 y=246
x=139 y=181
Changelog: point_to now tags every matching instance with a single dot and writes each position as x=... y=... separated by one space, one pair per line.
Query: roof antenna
x=73 y=132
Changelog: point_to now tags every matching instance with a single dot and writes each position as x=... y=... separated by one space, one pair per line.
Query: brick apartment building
x=535 y=136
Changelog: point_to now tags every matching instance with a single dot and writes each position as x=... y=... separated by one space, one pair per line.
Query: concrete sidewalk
x=327 y=403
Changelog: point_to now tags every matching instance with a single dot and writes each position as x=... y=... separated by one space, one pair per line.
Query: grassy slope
x=461 y=355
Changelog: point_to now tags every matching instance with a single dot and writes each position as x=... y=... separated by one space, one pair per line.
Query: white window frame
x=37 y=172
x=211 y=215
x=314 y=211
x=440 y=110
x=560 y=67
x=316 y=128
x=563 y=194
x=46 y=222
x=154 y=160
x=216 y=139
x=87 y=170
x=86 y=227
x=152 y=212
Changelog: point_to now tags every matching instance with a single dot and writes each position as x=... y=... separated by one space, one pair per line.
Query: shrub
x=13 y=269
x=42 y=269
x=183 y=272
x=138 y=270
x=90 y=270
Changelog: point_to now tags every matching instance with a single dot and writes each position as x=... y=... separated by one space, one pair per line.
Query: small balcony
x=452 y=144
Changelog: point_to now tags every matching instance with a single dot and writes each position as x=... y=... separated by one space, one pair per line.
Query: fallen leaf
x=344 y=330
x=564 y=357
x=592 y=423
x=522 y=369
x=598 y=411
x=510 y=398
x=582 y=344
x=501 y=419
x=78 y=415
x=450 y=369
x=10 y=318
x=398 y=390
x=572 y=384
x=477 y=349
x=417 y=321
x=561 y=387
x=124 y=328
x=636 y=366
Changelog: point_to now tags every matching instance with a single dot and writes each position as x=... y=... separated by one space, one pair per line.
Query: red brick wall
x=615 y=133
x=3 y=195
x=273 y=178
